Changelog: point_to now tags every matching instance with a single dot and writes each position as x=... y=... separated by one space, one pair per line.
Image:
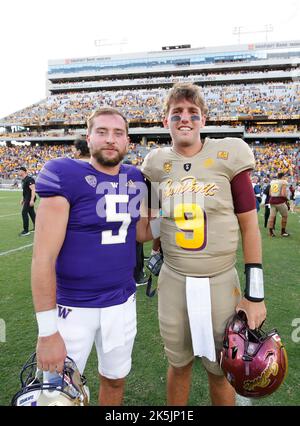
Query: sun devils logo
x=91 y=180
x=187 y=166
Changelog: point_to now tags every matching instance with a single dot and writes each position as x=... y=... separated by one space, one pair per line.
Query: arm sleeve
x=242 y=193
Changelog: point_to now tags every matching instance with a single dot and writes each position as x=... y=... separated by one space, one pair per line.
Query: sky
x=35 y=31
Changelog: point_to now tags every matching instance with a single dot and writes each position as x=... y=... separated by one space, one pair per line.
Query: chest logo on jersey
x=114 y=184
x=187 y=166
x=91 y=180
x=223 y=155
x=189 y=184
x=167 y=166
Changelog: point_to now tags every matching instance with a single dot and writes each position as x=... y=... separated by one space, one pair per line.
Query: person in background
x=292 y=197
x=279 y=203
x=266 y=192
x=27 y=201
x=139 y=271
x=81 y=150
x=257 y=192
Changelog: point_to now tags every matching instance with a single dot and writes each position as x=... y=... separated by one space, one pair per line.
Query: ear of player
x=66 y=389
x=254 y=362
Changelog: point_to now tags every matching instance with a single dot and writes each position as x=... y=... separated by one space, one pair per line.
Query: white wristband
x=155 y=227
x=47 y=322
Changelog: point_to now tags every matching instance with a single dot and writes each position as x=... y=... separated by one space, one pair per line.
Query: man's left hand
x=255 y=311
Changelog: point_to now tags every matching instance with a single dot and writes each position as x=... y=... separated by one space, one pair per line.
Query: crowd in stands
x=207 y=76
x=32 y=157
x=274 y=158
x=46 y=133
x=225 y=102
x=284 y=128
x=270 y=158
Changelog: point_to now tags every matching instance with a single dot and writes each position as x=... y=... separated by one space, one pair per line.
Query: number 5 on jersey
x=112 y=216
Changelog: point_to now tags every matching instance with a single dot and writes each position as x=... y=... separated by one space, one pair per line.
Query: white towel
x=199 y=312
x=112 y=327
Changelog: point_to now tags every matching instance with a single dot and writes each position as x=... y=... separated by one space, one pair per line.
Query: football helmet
x=254 y=362
x=67 y=388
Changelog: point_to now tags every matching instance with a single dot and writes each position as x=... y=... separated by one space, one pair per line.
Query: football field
x=146 y=384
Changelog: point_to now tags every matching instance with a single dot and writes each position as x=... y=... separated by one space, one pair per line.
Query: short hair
x=280 y=175
x=105 y=111
x=188 y=91
x=23 y=169
x=82 y=146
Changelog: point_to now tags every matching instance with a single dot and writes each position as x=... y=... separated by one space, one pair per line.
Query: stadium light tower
x=268 y=28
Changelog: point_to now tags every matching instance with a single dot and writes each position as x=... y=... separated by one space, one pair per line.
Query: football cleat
x=67 y=389
x=254 y=362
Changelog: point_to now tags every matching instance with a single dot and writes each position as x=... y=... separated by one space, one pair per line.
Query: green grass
x=146 y=384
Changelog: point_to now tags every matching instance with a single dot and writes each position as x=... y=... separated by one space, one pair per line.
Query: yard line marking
x=17 y=249
x=8 y=215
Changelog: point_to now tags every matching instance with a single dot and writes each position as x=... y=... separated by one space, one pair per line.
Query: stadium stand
x=252 y=91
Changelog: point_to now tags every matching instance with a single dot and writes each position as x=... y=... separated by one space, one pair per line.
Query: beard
x=106 y=161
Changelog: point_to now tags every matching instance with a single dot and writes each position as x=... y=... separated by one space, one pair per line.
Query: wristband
x=47 y=322
x=155 y=227
x=254 y=290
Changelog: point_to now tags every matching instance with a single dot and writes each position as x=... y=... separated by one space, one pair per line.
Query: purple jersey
x=95 y=265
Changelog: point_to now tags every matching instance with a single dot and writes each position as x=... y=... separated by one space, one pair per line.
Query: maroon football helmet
x=254 y=362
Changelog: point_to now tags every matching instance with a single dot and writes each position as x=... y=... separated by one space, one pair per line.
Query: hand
x=255 y=311
x=51 y=353
x=21 y=202
x=31 y=203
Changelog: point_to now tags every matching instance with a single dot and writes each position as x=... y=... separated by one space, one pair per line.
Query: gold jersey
x=199 y=229
x=276 y=187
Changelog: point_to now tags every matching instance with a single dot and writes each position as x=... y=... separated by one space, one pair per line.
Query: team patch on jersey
x=187 y=166
x=91 y=180
x=167 y=166
x=223 y=155
x=208 y=163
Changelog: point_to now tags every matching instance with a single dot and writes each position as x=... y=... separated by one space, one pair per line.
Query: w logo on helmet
x=63 y=312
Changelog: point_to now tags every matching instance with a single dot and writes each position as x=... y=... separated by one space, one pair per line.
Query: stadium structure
x=252 y=91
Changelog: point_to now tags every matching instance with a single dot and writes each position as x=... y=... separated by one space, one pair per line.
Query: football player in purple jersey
x=84 y=256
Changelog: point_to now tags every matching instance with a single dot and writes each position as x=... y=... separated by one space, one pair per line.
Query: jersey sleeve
x=243 y=159
x=53 y=181
x=150 y=165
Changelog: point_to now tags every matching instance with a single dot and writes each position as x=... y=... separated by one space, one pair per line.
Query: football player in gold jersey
x=206 y=197
x=279 y=203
